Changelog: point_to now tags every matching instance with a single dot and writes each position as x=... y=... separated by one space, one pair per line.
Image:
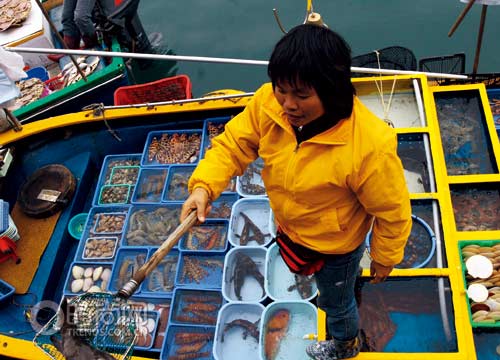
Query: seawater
x=248 y=30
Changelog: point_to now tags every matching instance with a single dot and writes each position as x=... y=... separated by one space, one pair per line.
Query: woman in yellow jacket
x=331 y=170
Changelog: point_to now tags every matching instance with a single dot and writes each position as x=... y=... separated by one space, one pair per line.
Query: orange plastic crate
x=171 y=88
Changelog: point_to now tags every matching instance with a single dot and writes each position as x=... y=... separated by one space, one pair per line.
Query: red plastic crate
x=55 y=83
x=171 y=88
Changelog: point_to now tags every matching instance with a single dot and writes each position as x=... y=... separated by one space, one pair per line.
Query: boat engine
x=124 y=24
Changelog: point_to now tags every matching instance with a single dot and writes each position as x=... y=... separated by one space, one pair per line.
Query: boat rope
x=280 y=25
x=386 y=107
x=98 y=110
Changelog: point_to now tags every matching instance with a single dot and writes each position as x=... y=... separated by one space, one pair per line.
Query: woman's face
x=301 y=103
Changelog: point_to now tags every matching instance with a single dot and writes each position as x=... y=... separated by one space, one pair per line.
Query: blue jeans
x=336 y=281
x=77 y=16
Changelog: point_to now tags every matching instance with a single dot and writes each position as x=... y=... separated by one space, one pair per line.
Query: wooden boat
x=451 y=153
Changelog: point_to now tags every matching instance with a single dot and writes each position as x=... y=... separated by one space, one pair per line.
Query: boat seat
x=392 y=57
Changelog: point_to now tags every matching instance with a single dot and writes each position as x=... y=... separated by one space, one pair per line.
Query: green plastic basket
x=77 y=224
x=461 y=245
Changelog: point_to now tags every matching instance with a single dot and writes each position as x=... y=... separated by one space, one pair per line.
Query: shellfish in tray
x=31 y=90
x=88 y=64
x=13 y=13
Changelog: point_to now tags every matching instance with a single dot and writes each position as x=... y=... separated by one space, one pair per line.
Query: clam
x=106 y=274
x=88 y=272
x=76 y=285
x=87 y=283
x=478 y=307
x=77 y=272
x=97 y=273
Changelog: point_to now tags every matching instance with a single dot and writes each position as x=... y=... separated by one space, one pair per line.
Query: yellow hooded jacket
x=325 y=192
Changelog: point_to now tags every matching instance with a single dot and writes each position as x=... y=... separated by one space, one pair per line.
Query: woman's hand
x=379 y=271
x=198 y=200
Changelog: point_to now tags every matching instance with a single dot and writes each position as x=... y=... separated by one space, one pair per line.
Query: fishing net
x=392 y=57
x=98 y=321
x=448 y=64
x=420 y=247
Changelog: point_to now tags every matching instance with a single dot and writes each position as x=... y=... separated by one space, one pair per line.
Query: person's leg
x=85 y=23
x=70 y=30
x=336 y=283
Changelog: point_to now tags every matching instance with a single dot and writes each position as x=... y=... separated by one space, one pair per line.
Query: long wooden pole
x=461 y=17
x=479 y=40
x=54 y=30
x=217 y=60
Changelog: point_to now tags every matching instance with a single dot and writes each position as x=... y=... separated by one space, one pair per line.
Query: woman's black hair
x=320 y=58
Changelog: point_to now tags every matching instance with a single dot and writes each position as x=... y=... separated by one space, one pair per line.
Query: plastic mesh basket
x=171 y=88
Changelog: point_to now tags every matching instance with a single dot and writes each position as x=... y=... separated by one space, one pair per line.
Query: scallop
x=88 y=272
x=97 y=273
x=94 y=289
x=77 y=272
x=106 y=274
x=104 y=284
x=87 y=283
x=150 y=325
x=76 y=285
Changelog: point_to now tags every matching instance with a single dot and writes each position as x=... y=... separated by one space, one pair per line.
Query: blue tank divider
x=164 y=217
x=150 y=185
x=494 y=99
x=184 y=299
x=211 y=236
x=160 y=304
x=149 y=158
x=161 y=281
x=109 y=162
x=204 y=333
x=176 y=184
x=200 y=270
x=222 y=207
x=218 y=122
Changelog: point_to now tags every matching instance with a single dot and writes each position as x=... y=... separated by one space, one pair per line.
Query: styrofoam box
x=250 y=290
x=302 y=320
x=230 y=340
x=273 y=230
x=257 y=209
x=282 y=284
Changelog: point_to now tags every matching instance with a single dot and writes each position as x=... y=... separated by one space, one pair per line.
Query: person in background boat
x=78 y=23
x=331 y=172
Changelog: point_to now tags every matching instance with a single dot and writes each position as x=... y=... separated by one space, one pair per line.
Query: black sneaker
x=347 y=349
x=322 y=350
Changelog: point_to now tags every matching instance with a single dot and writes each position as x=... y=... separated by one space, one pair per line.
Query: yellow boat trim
x=109 y=115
